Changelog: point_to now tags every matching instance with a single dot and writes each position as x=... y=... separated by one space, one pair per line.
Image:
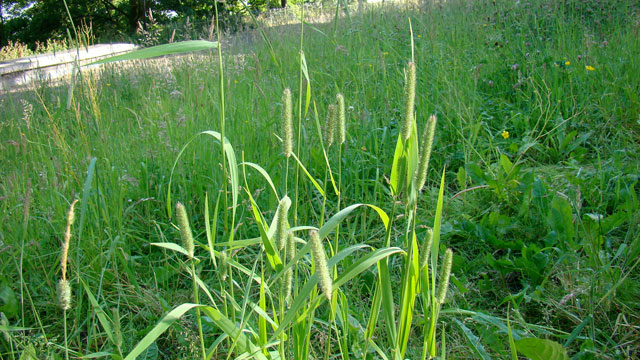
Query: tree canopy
x=31 y=21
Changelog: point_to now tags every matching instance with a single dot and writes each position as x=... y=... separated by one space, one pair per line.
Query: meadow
x=218 y=215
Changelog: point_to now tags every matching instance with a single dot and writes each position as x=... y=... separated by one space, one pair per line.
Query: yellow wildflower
x=567 y=63
x=505 y=134
x=419 y=36
x=589 y=68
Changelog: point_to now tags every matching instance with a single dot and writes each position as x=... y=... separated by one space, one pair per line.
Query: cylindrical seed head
x=185 y=229
x=410 y=100
x=420 y=176
x=342 y=120
x=223 y=264
x=71 y=216
x=330 y=125
x=281 y=222
x=444 y=276
x=64 y=294
x=288 y=278
x=322 y=269
x=425 y=251
x=287 y=122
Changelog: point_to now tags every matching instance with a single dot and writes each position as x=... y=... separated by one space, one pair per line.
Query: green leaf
x=507 y=165
x=273 y=256
x=264 y=174
x=86 y=191
x=102 y=316
x=29 y=353
x=512 y=344
x=151 y=353
x=474 y=341
x=304 y=169
x=172 y=246
x=101 y=354
x=358 y=267
x=435 y=245
x=8 y=301
x=161 y=50
x=342 y=214
x=241 y=341
x=305 y=71
x=560 y=219
x=410 y=289
x=397 y=178
x=541 y=349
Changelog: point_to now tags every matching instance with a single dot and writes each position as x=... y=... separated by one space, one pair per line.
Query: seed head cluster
x=410 y=99
x=444 y=276
x=185 y=229
x=287 y=123
x=330 y=127
x=322 y=269
x=420 y=176
x=342 y=119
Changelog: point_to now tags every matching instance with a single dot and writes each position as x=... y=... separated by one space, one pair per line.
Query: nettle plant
x=274 y=305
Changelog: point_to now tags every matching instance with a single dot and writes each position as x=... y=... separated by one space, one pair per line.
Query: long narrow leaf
x=161 y=50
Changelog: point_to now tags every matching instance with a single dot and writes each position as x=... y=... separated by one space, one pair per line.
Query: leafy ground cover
x=532 y=182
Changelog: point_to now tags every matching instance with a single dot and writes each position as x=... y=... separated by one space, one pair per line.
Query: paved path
x=15 y=74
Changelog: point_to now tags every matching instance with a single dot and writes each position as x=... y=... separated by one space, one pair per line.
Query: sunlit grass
x=537 y=109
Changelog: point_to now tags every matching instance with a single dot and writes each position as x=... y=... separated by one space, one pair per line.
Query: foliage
x=537 y=129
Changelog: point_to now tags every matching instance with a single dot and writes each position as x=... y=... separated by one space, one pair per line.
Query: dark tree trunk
x=283 y=3
x=1 y=25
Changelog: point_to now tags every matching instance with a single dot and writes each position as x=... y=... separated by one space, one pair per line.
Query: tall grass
x=531 y=181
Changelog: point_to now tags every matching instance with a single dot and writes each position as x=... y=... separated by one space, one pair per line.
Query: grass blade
x=161 y=50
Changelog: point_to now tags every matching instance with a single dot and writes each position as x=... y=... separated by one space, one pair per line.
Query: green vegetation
x=284 y=246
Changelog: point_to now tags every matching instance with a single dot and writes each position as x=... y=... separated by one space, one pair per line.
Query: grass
x=537 y=133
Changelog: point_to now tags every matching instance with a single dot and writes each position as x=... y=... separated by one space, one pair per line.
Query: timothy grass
x=536 y=144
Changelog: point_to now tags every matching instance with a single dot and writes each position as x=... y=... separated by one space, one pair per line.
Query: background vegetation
x=538 y=129
x=40 y=21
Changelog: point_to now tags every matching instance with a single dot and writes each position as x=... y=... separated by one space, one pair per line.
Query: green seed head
x=330 y=126
x=420 y=176
x=71 y=215
x=444 y=276
x=287 y=123
x=224 y=262
x=281 y=222
x=322 y=269
x=64 y=294
x=410 y=99
x=185 y=229
x=342 y=120
x=426 y=249
x=288 y=278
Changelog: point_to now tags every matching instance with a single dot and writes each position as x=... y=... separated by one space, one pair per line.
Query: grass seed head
x=330 y=126
x=410 y=99
x=71 y=216
x=185 y=229
x=322 y=269
x=426 y=248
x=288 y=278
x=224 y=262
x=444 y=276
x=64 y=294
x=420 y=177
x=281 y=222
x=342 y=120
x=287 y=123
